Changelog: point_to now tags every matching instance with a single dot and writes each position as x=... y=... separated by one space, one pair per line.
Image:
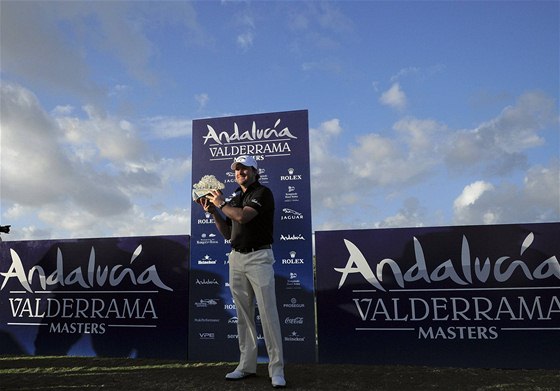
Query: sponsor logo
x=206 y=261
x=292 y=260
x=501 y=271
x=230 y=178
x=266 y=142
x=232 y=320
x=205 y=303
x=207 y=281
x=253 y=134
x=294 y=337
x=208 y=219
x=290 y=214
x=206 y=320
x=263 y=176
x=291 y=195
x=291 y=176
x=292 y=237
x=256 y=202
x=206 y=335
x=207 y=239
x=293 y=282
x=230 y=306
x=89 y=276
x=294 y=304
x=232 y=336
x=296 y=320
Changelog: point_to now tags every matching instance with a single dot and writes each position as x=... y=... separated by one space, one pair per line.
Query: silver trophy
x=205 y=186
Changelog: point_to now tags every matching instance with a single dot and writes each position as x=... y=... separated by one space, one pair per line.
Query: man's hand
x=207 y=205
x=216 y=197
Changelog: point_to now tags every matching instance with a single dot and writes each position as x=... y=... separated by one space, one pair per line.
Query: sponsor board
x=280 y=144
x=473 y=296
x=96 y=297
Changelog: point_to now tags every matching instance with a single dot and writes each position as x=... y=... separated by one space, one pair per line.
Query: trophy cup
x=205 y=187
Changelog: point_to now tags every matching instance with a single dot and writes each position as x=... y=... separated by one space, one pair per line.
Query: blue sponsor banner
x=466 y=296
x=107 y=297
x=280 y=143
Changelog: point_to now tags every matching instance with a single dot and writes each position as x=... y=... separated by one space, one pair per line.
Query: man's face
x=244 y=176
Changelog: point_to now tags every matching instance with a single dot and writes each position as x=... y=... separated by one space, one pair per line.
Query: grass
x=91 y=373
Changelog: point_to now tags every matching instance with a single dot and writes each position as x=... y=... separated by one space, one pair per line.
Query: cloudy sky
x=420 y=113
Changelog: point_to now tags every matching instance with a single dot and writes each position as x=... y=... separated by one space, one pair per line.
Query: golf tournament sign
x=280 y=144
x=468 y=296
x=123 y=297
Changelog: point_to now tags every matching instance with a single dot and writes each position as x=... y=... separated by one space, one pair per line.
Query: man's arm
x=221 y=223
x=239 y=215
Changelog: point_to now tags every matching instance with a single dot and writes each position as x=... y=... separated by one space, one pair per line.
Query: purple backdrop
x=471 y=296
x=280 y=143
x=124 y=297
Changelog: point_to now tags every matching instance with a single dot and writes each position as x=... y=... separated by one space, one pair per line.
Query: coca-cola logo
x=296 y=320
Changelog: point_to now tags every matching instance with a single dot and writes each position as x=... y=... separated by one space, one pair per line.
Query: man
x=247 y=222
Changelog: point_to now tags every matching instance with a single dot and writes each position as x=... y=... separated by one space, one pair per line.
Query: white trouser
x=251 y=276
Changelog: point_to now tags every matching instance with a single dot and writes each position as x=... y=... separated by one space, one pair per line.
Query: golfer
x=247 y=221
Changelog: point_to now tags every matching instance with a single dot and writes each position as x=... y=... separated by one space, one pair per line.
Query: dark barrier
x=122 y=297
x=472 y=296
x=280 y=143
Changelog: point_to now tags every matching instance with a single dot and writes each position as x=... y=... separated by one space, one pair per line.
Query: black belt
x=250 y=250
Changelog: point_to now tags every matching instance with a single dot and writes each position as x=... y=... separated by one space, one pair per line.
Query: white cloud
x=499 y=145
x=47 y=42
x=35 y=170
x=34 y=48
x=246 y=22
x=542 y=186
x=164 y=127
x=420 y=135
x=418 y=72
x=319 y=144
x=322 y=26
x=410 y=215
x=374 y=165
x=470 y=194
x=332 y=18
x=33 y=233
x=405 y=72
x=202 y=100
x=172 y=222
x=395 y=164
x=397 y=161
x=105 y=137
x=537 y=199
x=394 y=97
x=77 y=176
x=329 y=177
x=245 y=40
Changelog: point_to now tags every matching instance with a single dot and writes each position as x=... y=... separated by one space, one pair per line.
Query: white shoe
x=238 y=375
x=278 y=382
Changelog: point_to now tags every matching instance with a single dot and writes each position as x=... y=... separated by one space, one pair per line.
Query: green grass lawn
x=87 y=373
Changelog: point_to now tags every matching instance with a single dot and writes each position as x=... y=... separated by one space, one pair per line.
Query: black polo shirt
x=257 y=232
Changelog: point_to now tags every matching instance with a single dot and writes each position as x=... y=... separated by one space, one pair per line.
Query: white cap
x=247 y=161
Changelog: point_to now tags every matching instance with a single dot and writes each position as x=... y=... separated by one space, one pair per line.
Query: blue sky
x=420 y=113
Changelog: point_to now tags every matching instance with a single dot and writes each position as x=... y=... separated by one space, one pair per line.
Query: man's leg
x=244 y=299
x=261 y=274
